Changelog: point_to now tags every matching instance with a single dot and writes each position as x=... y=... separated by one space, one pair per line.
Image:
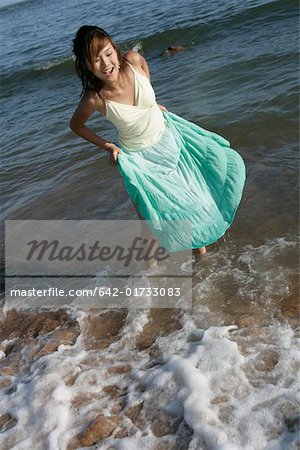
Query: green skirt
x=187 y=186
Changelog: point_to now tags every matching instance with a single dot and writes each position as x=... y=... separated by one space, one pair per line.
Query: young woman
x=186 y=182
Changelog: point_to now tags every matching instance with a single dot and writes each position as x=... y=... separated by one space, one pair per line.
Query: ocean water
x=169 y=385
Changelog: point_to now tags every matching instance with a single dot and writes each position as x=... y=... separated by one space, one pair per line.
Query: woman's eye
x=109 y=54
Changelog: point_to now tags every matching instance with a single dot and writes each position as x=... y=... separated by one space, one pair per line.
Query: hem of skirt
x=210 y=242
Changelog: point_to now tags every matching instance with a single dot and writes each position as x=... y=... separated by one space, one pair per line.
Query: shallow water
x=222 y=375
x=162 y=383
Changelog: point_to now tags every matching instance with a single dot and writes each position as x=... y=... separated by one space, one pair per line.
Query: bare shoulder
x=91 y=101
x=135 y=58
x=138 y=62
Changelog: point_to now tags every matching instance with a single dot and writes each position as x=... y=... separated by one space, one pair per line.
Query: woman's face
x=104 y=61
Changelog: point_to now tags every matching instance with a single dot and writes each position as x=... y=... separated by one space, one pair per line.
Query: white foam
x=137 y=47
x=55 y=62
x=209 y=382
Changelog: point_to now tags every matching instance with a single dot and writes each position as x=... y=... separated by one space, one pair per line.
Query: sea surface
x=223 y=375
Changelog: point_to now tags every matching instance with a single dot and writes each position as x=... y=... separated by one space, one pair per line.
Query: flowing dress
x=184 y=180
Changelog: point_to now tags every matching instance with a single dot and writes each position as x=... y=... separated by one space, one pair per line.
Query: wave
x=11 y=81
x=12 y=4
x=65 y=65
x=275 y=9
x=155 y=44
x=56 y=62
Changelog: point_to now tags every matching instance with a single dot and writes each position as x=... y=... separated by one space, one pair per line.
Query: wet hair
x=89 y=40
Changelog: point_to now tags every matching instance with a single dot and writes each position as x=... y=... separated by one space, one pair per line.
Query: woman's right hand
x=114 y=152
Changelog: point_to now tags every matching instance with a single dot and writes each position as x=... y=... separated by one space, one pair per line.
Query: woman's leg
x=148 y=236
x=201 y=250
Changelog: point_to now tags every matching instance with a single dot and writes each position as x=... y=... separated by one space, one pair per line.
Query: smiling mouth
x=108 y=72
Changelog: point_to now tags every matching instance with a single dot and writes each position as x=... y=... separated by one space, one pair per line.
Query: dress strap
x=131 y=67
x=101 y=94
x=107 y=101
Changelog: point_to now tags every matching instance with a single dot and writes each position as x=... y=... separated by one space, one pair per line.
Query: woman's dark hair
x=88 y=41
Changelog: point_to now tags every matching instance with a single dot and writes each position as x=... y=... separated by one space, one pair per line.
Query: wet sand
x=30 y=336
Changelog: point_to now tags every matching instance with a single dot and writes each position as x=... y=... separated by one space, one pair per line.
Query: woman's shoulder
x=92 y=100
x=133 y=57
x=137 y=61
x=91 y=96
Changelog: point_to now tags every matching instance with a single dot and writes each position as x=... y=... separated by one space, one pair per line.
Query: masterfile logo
x=92 y=264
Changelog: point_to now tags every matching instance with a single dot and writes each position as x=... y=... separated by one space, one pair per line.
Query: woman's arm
x=87 y=106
